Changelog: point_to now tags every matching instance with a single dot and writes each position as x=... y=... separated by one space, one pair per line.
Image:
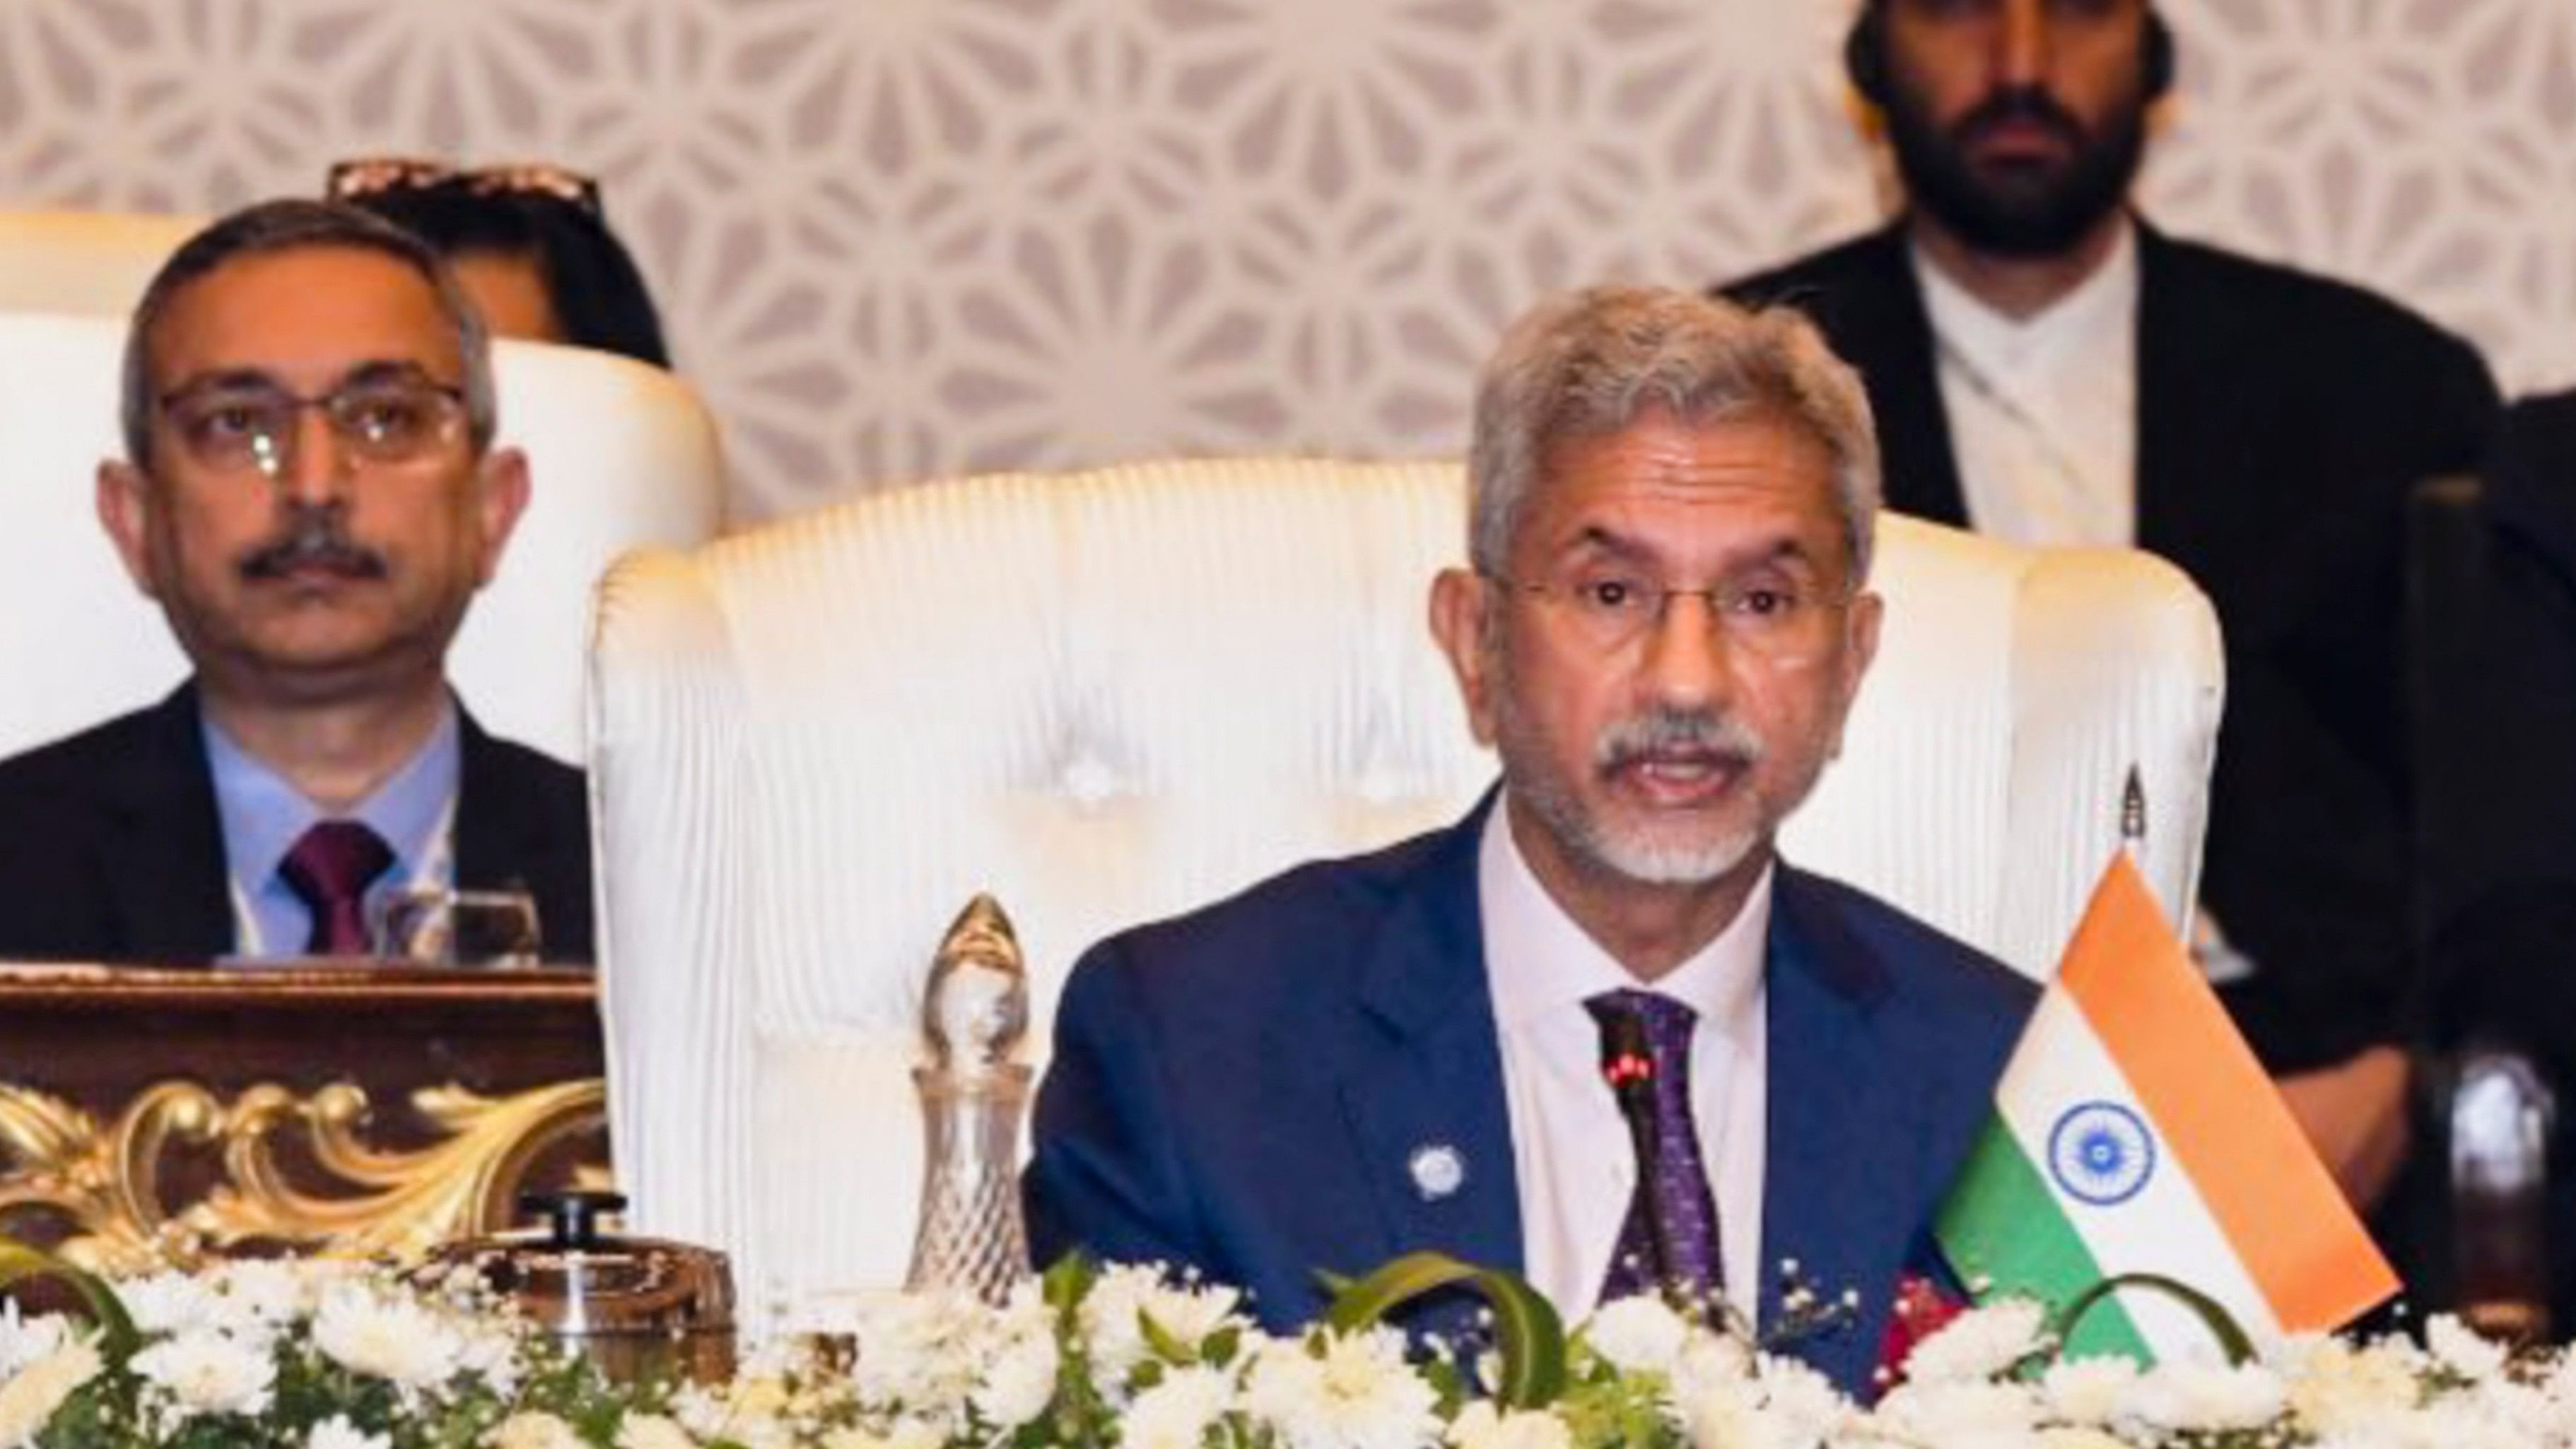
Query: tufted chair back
x=620 y=454
x=1110 y=696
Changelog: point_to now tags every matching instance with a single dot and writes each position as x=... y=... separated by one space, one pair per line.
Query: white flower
x=905 y=1434
x=389 y=1336
x=1638 y=1335
x=918 y=1354
x=1113 y=1315
x=534 y=1431
x=29 y=1340
x=31 y=1394
x=2336 y=1389
x=1979 y=1344
x=2200 y=1394
x=1481 y=1426
x=337 y=1432
x=166 y=1303
x=2462 y=1349
x=490 y=1352
x=1019 y=1381
x=1806 y=1405
x=266 y=1291
x=1351 y=1391
x=1709 y=1360
x=1960 y=1411
x=204 y=1371
x=652 y=1431
x=2087 y=1391
x=1725 y=1414
x=1178 y=1412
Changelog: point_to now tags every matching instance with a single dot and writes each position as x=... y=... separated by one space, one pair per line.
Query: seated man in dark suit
x=2048 y=367
x=1664 y=626
x=311 y=495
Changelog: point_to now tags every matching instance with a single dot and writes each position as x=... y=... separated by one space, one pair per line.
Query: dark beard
x=2039 y=214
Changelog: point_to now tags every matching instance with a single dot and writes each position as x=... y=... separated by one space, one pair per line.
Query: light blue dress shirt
x=263 y=816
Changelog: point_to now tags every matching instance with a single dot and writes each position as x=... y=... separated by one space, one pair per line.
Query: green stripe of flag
x=2007 y=1234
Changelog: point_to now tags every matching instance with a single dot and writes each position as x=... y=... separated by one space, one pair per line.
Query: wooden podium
x=169 y=1115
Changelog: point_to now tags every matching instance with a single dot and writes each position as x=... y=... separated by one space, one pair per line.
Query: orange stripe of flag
x=2219 y=1112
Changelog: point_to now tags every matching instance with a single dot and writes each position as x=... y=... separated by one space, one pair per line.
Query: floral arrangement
x=322 y=1356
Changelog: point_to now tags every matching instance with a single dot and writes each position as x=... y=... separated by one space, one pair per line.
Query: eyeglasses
x=1771 y=615
x=366 y=176
x=233 y=427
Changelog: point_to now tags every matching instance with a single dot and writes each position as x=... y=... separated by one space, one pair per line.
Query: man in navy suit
x=1664 y=626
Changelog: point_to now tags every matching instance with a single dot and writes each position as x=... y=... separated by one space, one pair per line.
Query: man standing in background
x=2047 y=367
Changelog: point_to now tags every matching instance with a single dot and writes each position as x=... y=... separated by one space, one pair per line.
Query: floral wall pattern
x=903 y=238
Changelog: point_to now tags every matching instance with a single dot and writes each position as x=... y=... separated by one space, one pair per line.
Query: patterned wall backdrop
x=899 y=238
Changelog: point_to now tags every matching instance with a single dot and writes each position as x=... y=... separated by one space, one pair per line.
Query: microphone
x=1628 y=1065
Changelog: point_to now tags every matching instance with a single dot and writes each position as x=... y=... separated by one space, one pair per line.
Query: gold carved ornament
x=106 y=1183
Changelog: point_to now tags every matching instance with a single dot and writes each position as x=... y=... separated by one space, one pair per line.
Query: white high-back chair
x=88 y=263
x=1111 y=696
x=621 y=455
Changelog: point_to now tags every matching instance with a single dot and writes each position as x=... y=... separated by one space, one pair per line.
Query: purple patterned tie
x=329 y=869
x=1676 y=1176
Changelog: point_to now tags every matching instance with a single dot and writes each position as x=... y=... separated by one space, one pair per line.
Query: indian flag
x=2134 y=1132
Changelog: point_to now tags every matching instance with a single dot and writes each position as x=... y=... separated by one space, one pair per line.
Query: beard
x=2022 y=211
x=1638 y=853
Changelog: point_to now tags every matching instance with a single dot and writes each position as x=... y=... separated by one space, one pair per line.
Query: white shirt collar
x=2102 y=306
x=1541 y=962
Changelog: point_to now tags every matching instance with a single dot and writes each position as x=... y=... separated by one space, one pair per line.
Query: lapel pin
x=1438 y=1169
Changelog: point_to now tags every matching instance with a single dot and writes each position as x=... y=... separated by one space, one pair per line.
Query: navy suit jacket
x=1244 y=1089
x=111 y=848
x=2281 y=419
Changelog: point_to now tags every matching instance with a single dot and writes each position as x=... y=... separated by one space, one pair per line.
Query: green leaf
x=1527 y=1331
x=2213 y=1316
x=1220 y=1347
x=1161 y=1340
x=117 y=1337
x=1067 y=1280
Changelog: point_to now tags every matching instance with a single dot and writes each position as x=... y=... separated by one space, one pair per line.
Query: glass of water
x=442 y=926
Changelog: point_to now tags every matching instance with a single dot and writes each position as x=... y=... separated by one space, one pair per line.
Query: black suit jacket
x=2281 y=418
x=2501 y=753
x=111 y=848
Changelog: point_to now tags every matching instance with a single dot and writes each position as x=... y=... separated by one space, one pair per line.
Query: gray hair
x=1590 y=363
x=293 y=224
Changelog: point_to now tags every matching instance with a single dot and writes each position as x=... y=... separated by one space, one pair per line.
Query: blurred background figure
x=529 y=243
x=2046 y=365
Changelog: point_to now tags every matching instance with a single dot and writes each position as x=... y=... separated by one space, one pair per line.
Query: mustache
x=312 y=539
x=1664 y=729
x=2023 y=103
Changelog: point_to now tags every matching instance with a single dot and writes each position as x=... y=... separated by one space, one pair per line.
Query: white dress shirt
x=1570 y=1147
x=2044 y=410
x=2044 y=427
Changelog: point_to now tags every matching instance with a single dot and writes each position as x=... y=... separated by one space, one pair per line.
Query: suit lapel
x=2186 y=393
x=165 y=873
x=1426 y=1092
x=502 y=841
x=1841 y=1190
